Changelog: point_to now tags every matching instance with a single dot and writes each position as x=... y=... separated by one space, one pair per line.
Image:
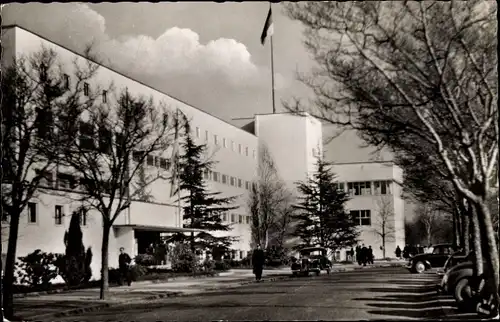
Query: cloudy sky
x=206 y=54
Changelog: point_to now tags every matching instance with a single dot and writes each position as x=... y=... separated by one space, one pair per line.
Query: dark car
x=422 y=262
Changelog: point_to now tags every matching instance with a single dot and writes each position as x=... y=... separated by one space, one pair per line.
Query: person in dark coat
x=398 y=252
x=364 y=255
x=358 y=255
x=370 y=255
x=406 y=252
x=124 y=261
x=258 y=260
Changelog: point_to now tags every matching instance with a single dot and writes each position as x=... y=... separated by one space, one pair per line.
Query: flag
x=268 y=27
x=174 y=159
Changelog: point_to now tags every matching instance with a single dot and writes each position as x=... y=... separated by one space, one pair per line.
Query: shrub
x=137 y=271
x=38 y=269
x=221 y=266
x=145 y=260
x=74 y=265
x=182 y=259
x=114 y=275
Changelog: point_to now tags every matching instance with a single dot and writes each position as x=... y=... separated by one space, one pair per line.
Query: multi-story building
x=294 y=142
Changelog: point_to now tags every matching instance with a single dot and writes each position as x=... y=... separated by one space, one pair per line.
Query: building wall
x=374 y=202
x=233 y=150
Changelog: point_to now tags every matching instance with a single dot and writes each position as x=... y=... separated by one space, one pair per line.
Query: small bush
x=114 y=276
x=145 y=260
x=38 y=269
x=222 y=266
x=137 y=271
x=182 y=259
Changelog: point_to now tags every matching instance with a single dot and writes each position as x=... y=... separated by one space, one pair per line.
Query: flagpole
x=272 y=68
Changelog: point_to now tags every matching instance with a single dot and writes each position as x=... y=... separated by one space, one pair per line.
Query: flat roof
x=161 y=229
x=122 y=74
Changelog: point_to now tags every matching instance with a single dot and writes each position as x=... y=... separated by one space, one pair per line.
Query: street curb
x=155 y=281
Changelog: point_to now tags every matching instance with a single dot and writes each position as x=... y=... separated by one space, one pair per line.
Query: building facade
x=294 y=142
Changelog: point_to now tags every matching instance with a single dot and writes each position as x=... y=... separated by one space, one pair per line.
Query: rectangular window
x=339 y=186
x=232 y=145
x=382 y=187
x=360 y=188
x=83 y=217
x=216 y=176
x=313 y=152
x=86 y=89
x=104 y=96
x=105 y=140
x=44 y=122
x=137 y=156
x=58 y=215
x=240 y=183
x=150 y=159
x=248 y=219
x=224 y=179
x=239 y=148
x=46 y=179
x=224 y=217
x=163 y=163
x=224 y=142
x=206 y=136
x=233 y=181
x=32 y=215
x=233 y=218
x=362 y=217
x=241 y=254
x=65 y=181
x=86 y=136
x=198 y=132
x=247 y=185
x=216 y=139
x=240 y=219
x=66 y=81
x=254 y=154
x=246 y=151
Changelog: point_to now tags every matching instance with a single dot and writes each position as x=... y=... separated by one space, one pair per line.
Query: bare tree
x=428 y=217
x=35 y=89
x=269 y=203
x=130 y=130
x=425 y=70
x=383 y=223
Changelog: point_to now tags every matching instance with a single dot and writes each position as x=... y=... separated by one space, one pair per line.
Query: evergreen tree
x=202 y=209
x=74 y=266
x=321 y=217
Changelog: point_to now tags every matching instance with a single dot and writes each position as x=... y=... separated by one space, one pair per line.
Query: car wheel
x=419 y=267
x=463 y=295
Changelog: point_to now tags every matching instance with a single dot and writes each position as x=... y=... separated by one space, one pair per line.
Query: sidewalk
x=46 y=306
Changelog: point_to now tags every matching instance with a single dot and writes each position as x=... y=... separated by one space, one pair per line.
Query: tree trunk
x=267 y=239
x=491 y=251
x=454 y=222
x=10 y=262
x=383 y=247
x=104 y=260
x=459 y=229
x=476 y=240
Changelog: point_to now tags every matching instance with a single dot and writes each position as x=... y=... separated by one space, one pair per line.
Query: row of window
x=225 y=143
x=238 y=254
x=234 y=218
x=367 y=188
x=86 y=88
x=226 y=179
x=58 y=214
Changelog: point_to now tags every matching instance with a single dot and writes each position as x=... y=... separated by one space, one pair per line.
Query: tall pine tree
x=203 y=209
x=321 y=218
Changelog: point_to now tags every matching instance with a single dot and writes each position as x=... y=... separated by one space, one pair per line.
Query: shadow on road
x=411 y=298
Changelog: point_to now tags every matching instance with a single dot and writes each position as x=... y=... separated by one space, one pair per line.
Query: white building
x=293 y=141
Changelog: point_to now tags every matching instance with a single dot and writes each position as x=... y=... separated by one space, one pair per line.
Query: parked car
x=453 y=260
x=312 y=259
x=422 y=262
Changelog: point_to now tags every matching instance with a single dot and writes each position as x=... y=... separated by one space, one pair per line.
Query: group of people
x=364 y=255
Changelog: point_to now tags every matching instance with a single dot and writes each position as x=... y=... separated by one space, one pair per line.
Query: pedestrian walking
x=364 y=254
x=406 y=252
x=370 y=255
x=124 y=261
x=258 y=260
x=358 y=255
x=398 y=252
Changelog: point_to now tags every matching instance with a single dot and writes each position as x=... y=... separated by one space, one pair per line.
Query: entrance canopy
x=160 y=229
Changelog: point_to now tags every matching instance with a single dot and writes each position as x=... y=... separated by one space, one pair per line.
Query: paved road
x=374 y=293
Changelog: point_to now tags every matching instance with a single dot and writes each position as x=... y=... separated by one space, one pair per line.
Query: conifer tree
x=202 y=209
x=321 y=217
